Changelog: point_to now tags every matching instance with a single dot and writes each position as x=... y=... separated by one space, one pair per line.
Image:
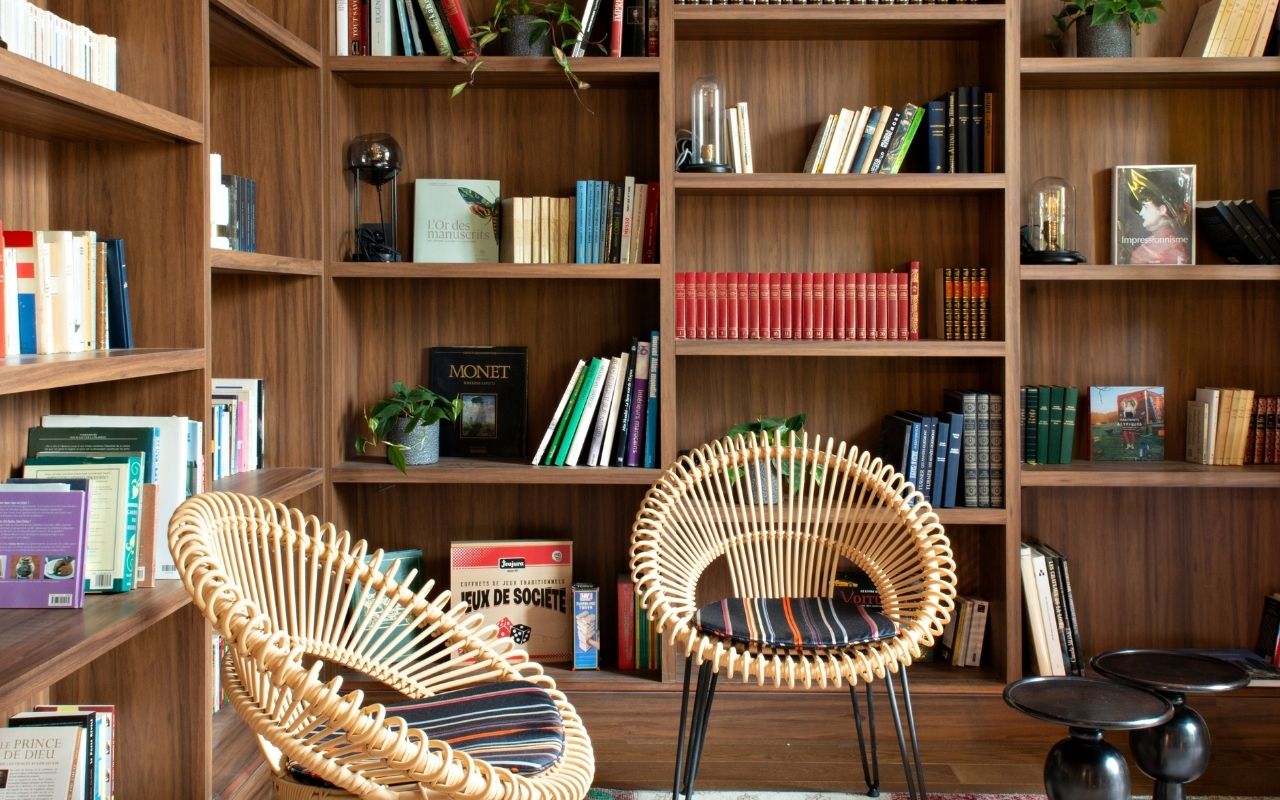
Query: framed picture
x=1126 y=423
x=1153 y=214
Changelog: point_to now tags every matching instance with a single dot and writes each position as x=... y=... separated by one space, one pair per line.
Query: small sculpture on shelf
x=707 y=134
x=375 y=159
x=1051 y=221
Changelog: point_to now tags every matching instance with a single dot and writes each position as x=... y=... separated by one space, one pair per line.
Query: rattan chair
x=784 y=541
x=285 y=591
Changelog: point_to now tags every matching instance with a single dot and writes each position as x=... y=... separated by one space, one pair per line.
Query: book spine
x=651 y=406
x=682 y=305
x=639 y=399
x=995 y=434
x=460 y=27
x=1070 y=399
x=561 y=421
x=840 y=305
x=435 y=27
x=615 y=30
x=651 y=225
x=891 y=327
x=602 y=411
x=626 y=624
x=784 y=305
x=618 y=458
x=741 y=280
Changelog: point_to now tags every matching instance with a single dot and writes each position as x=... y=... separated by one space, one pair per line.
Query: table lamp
x=375 y=159
x=707 y=127
x=1051 y=218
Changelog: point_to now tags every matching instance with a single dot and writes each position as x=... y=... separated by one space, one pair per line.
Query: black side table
x=1084 y=766
x=1176 y=752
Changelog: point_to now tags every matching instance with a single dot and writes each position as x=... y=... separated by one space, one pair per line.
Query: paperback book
x=455 y=221
x=1153 y=214
x=42 y=548
x=493 y=385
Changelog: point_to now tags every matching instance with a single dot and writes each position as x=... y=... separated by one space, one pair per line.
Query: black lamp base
x=1052 y=257
x=705 y=168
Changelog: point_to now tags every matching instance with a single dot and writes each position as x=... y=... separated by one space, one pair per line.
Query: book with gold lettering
x=493 y=385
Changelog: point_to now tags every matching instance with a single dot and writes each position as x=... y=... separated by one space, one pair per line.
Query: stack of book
x=961 y=300
x=74 y=757
x=737 y=124
x=1238 y=231
x=237 y=415
x=1048 y=417
x=616 y=223
x=799 y=305
x=961 y=131
x=954 y=457
x=608 y=412
x=84 y=305
x=962 y=638
x=1232 y=28
x=1051 y=611
x=639 y=645
x=234 y=209
x=872 y=140
x=38 y=34
x=1232 y=426
x=402 y=27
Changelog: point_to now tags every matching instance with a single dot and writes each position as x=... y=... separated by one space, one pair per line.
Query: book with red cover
x=699 y=305
x=721 y=311
x=828 y=304
x=904 y=305
x=850 y=307
x=753 y=305
x=819 y=293
x=984 y=290
x=838 y=328
x=890 y=305
x=785 y=306
x=458 y=24
x=913 y=306
x=775 y=305
x=650 y=255
x=615 y=30
x=682 y=305
x=626 y=626
x=744 y=322
x=807 y=297
x=797 y=305
x=730 y=291
x=882 y=307
x=862 y=309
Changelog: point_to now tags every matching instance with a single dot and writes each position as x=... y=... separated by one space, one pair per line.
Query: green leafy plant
x=557 y=19
x=419 y=405
x=1099 y=12
x=777 y=430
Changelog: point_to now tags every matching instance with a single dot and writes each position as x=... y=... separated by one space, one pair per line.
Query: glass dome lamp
x=375 y=159
x=1050 y=233
x=707 y=126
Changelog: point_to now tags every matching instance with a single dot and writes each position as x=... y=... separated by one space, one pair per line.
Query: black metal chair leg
x=873 y=786
x=684 y=711
x=902 y=742
x=911 y=728
x=702 y=732
x=698 y=726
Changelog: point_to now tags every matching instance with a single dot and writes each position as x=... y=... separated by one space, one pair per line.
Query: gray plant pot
x=1110 y=40
x=516 y=41
x=767 y=490
x=422 y=444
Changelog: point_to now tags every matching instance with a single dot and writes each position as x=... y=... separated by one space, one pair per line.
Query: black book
x=895 y=442
x=886 y=136
x=1267 y=231
x=119 y=321
x=1064 y=610
x=1244 y=228
x=635 y=33
x=615 y=225
x=1273 y=199
x=964 y=127
x=935 y=121
x=1212 y=225
x=606 y=222
x=492 y=383
x=624 y=414
x=977 y=129
x=951 y=131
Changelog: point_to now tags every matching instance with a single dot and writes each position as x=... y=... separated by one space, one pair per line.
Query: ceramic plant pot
x=516 y=41
x=1113 y=39
x=422 y=444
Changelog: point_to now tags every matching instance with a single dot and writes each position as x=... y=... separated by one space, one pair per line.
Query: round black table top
x=1170 y=670
x=1091 y=703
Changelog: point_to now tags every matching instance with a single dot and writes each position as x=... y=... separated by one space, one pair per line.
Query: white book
x=1264 y=27
x=86 y=254
x=855 y=139
x=52 y=759
x=171 y=466
x=637 y=222
x=731 y=136
x=343 y=32
x=555 y=418
x=839 y=141
x=628 y=218
x=106 y=538
x=380 y=30
x=1050 y=621
x=1211 y=398
x=602 y=413
x=249 y=392
x=615 y=407
x=744 y=133
x=1035 y=621
x=584 y=422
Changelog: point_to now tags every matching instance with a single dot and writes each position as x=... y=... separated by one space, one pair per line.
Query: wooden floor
x=804 y=741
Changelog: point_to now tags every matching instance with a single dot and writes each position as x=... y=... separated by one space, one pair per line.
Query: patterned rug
x=644 y=794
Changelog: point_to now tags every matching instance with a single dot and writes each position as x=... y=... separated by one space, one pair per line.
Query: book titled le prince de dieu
x=1153 y=214
x=493 y=385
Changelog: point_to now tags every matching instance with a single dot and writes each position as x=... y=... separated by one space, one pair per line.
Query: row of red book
x=639 y=645
x=799 y=305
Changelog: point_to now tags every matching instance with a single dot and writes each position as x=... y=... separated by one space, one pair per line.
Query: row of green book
x=1048 y=417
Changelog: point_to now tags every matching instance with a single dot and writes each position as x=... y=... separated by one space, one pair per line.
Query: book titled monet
x=493 y=384
x=42 y=544
x=1153 y=214
x=455 y=220
x=1126 y=423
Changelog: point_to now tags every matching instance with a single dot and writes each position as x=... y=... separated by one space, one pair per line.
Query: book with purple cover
x=639 y=401
x=42 y=536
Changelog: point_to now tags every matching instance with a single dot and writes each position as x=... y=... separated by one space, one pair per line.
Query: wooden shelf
x=242 y=769
x=365 y=269
x=1149 y=73
x=1153 y=474
x=1127 y=272
x=489 y=471
x=280 y=484
x=973 y=516
x=241 y=35
x=236 y=261
x=788 y=348
x=39 y=647
x=807 y=22
x=498 y=71
x=42 y=102
x=798 y=183
x=36 y=373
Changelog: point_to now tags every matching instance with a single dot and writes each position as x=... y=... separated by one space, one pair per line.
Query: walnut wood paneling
x=380 y=331
x=241 y=34
x=162 y=64
x=266 y=124
x=1165 y=38
x=24 y=190
x=1192 y=590
x=305 y=19
x=1235 y=156
x=18 y=412
x=266 y=327
x=173 y=393
x=27 y=373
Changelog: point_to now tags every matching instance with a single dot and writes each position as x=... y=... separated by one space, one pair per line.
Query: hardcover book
x=522 y=586
x=1126 y=423
x=47 y=762
x=1153 y=214
x=455 y=220
x=42 y=544
x=493 y=385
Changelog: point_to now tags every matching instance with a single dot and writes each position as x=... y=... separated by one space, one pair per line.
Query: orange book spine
x=913 y=305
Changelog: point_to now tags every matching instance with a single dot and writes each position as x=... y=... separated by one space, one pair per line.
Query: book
x=45 y=762
x=639 y=406
x=385 y=626
x=562 y=427
x=560 y=407
x=1152 y=218
x=1126 y=423
x=1260 y=672
x=608 y=397
x=119 y=315
x=492 y=383
x=93 y=761
x=103 y=441
x=520 y=585
x=1268 y=644
x=1197 y=431
x=42 y=546
x=249 y=391
x=455 y=220
x=583 y=418
x=105 y=749
x=651 y=406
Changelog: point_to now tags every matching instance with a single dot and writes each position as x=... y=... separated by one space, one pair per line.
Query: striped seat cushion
x=794 y=622
x=513 y=724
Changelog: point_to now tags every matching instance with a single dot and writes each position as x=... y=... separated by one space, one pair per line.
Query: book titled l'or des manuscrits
x=494 y=386
x=455 y=220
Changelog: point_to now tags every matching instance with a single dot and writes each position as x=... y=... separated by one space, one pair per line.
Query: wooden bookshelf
x=806 y=347
x=695 y=22
x=235 y=261
x=30 y=373
x=498 y=72
x=1154 y=474
x=281 y=484
x=766 y=184
x=476 y=471
x=1129 y=272
x=242 y=772
x=242 y=35
x=1163 y=72
x=357 y=269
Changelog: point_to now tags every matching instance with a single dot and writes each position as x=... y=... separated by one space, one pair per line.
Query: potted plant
x=1109 y=24
x=775 y=430
x=526 y=28
x=407 y=421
